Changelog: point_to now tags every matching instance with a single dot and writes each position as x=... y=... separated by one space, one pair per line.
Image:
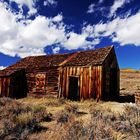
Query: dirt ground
x=84 y=107
x=129 y=82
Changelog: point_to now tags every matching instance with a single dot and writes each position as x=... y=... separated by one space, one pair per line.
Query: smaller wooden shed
x=13 y=84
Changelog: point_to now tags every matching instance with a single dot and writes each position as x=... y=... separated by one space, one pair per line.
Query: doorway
x=113 y=83
x=73 y=88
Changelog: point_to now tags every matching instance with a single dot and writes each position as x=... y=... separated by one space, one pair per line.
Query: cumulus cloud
x=29 y=3
x=125 y=31
x=50 y=3
x=58 y=18
x=91 y=8
x=75 y=41
x=18 y=38
x=30 y=37
x=117 y=4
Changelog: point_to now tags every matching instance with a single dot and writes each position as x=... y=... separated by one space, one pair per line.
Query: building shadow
x=125 y=99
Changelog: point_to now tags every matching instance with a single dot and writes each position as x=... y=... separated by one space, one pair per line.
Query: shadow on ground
x=126 y=98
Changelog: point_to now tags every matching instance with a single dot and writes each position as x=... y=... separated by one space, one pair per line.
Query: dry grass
x=29 y=118
x=18 y=120
x=129 y=82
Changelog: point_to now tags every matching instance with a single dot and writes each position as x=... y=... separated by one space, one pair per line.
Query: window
x=40 y=82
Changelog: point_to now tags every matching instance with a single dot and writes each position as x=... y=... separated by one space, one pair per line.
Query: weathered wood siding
x=4 y=86
x=92 y=71
x=14 y=85
x=90 y=81
x=51 y=76
x=110 y=81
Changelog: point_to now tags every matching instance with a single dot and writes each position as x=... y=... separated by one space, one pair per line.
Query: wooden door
x=113 y=83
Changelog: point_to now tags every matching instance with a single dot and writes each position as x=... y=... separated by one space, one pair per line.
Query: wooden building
x=80 y=75
x=13 y=84
x=91 y=74
x=41 y=72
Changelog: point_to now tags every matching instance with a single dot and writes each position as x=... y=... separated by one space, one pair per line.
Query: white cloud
x=58 y=18
x=29 y=3
x=125 y=31
x=91 y=8
x=117 y=4
x=50 y=3
x=75 y=41
x=128 y=31
x=17 y=38
x=30 y=37
x=97 y=8
x=2 y=67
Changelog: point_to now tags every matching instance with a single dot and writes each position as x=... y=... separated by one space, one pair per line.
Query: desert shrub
x=100 y=131
x=4 y=101
x=99 y=127
x=19 y=120
x=95 y=110
x=38 y=108
x=24 y=119
x=53 y=102
x=106 y=124
x=62 y=101
x=48 y=117
x=12 y=130
x=62 y=117
x=39 y=112
x=132 y=114
x=71 y=108
x=76 y=131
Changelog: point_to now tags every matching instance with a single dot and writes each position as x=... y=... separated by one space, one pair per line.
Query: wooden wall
x=93 y=81
x=90 y=81
x=14 y=85
x=111 y=83
x=50 y=84
x=98 y=82
x=4 y=86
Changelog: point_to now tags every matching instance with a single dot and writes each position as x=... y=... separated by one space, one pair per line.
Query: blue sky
x=38 y=27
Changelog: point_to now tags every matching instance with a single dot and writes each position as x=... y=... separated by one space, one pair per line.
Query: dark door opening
x=73 y=88
x=113 y=83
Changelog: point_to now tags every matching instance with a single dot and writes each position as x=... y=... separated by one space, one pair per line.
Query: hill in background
x=129 y=81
